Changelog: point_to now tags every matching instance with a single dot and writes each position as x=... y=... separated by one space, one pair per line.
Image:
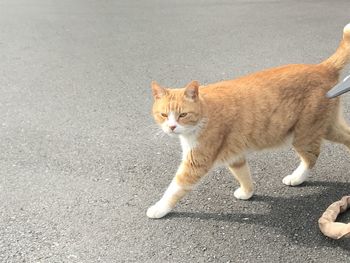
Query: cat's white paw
x=158 y=210
x=294 y=180
x=240 y=194
x=298 y=176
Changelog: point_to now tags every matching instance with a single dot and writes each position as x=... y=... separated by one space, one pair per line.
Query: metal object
x=340 y=88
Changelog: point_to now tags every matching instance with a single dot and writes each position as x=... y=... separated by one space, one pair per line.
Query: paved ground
x=80 y=160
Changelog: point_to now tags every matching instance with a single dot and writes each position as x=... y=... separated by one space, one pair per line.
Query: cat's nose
x=172 y=127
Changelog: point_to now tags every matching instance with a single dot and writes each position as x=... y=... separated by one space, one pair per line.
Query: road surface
x=81 y=158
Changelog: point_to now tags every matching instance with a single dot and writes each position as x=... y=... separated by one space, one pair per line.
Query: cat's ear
x=157 y=90
x=191 y=90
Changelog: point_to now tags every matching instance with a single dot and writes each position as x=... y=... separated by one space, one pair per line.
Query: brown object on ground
x=327 y=223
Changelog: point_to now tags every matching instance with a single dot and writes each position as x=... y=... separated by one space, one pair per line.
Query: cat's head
x=177 y=111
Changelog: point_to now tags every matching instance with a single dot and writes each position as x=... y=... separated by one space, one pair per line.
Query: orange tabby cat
x=219 y=123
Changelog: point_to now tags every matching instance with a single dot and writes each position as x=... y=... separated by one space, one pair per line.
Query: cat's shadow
x=294 y=217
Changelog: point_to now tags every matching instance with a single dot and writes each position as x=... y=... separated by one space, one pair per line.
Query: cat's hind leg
x=339 y=132
x=241 y=172
x=308 y=153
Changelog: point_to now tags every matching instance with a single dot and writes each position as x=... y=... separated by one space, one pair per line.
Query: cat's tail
x=341 y=57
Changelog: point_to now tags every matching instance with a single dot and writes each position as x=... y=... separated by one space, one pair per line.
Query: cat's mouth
x=172 y=133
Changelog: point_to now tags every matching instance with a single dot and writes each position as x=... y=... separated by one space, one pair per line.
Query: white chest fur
x=188 y=142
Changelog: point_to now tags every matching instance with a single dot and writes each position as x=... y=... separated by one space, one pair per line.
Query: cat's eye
x=184 y=114
x=164 y=115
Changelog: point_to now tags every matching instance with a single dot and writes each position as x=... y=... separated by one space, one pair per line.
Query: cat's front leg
x=172 y=195
x=185 y=179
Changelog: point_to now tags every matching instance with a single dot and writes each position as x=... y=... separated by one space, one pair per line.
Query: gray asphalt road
x=80 y=157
